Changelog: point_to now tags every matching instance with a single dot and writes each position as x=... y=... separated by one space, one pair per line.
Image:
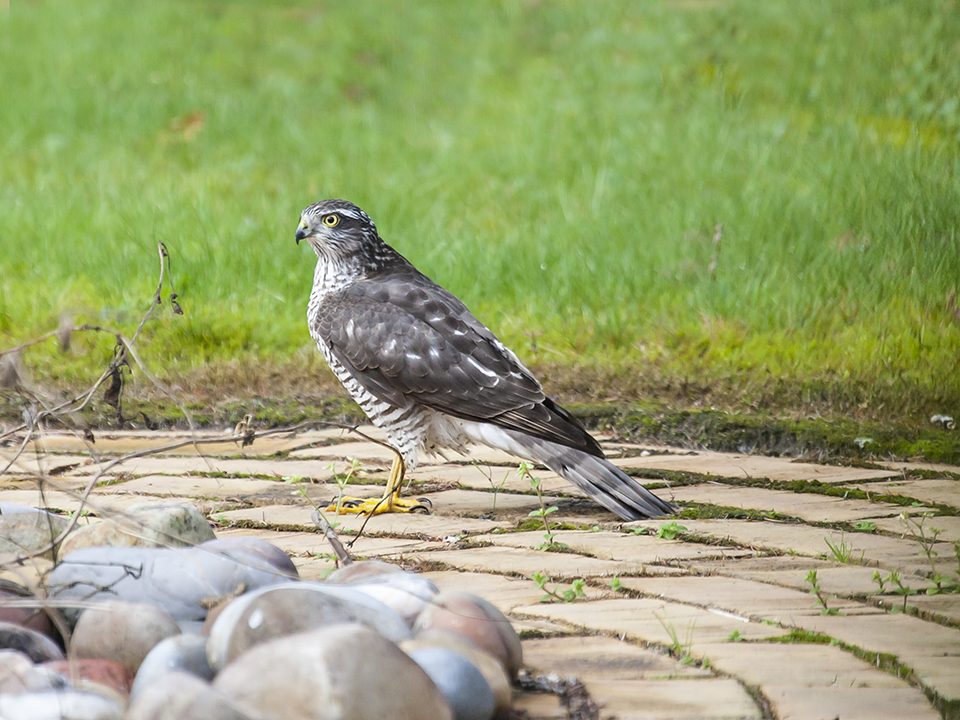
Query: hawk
x=431 y=375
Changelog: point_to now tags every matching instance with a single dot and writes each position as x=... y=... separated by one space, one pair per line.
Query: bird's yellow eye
x=331 y=220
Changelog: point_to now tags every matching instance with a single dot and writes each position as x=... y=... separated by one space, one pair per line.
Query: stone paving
x=711 y=617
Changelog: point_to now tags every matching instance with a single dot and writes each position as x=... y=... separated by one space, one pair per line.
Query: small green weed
x=344 y=478
x=559 y=593
x=842 y=551
x=916 y=525
x=497 y=487
x=866 y=526
x=682 y=651
x=814 y=583
x=523 y=471
x=670 y=530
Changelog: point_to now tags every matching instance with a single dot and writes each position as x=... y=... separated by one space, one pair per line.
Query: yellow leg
x=390 y=502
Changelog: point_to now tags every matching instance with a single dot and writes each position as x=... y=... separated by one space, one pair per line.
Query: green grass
x=560 y=166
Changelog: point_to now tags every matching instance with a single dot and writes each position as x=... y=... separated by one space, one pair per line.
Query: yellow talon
x=390 y=502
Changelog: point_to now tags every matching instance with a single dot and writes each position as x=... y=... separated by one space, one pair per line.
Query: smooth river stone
x=361 y=570
x=59 y=705
x=461 y=683
x=121 y=631
x=477 y=620
x=150 y=524
x=37 y=646
x=106 y=677
x=19 y=674
x=181 y=653
x=273 y=612
x=344 y=672
x=182 y=696
x=25 y=529
x=496 y=676
x=181 y=581
x=405 y=592
x=34 y=618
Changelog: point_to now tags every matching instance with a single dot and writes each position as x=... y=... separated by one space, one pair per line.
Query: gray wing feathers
x=405 y=338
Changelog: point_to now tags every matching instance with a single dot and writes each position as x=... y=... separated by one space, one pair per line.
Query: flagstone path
x=710 y=615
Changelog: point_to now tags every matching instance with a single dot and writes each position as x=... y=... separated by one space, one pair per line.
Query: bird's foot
x=377 y=506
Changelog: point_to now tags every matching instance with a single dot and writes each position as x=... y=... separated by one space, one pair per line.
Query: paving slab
x=306 y=544
x=235 y=490
x=734 y=465
x=506 y=593
x=432 y=526
x=944 y=491
x=626 y=547
x=888 y=552
x=809 y=507
x=122 y=443
x=798 y=665
x=474 y=503
x=97 y=504
x=484 y=477
x=680 y=699
x=949 y=527
x=594 y=657
x=516 y=561
x=279 y=469
x=746 y=598
x=32 y=463
x=652 y=621
x=932 y=650
x=68 y=483
x=540 y=706
x=791 y=571
x=193 y=486
x=800 y=703
x=946 y=606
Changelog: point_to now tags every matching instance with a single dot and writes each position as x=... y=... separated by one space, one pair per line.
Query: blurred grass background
x=735 y=201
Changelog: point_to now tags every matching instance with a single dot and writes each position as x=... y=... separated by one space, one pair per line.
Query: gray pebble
x=279 y=610
x=405 y=592
x=182 y=581
x=463 y=685
x=486 y=663
x=59 y=705
x=37 y=646
x=479 y=621
x=19 y=674
x=345 y=672
x=151 y=524
x=121 y=631
x=183 y=653
x=182 y=696
x=25 y=529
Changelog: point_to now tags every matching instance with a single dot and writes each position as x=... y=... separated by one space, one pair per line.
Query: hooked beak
x=302 y=232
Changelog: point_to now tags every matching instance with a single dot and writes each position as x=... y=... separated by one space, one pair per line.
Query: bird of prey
x=431 y=375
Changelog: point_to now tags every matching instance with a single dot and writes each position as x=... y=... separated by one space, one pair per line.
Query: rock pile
x=225 y=630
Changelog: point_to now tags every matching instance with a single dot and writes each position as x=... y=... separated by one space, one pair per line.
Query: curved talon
x=426 y=501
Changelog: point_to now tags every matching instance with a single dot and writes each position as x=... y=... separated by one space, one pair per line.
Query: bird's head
x=337 y=229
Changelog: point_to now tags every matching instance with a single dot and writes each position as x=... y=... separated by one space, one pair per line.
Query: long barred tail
x=600 y=479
